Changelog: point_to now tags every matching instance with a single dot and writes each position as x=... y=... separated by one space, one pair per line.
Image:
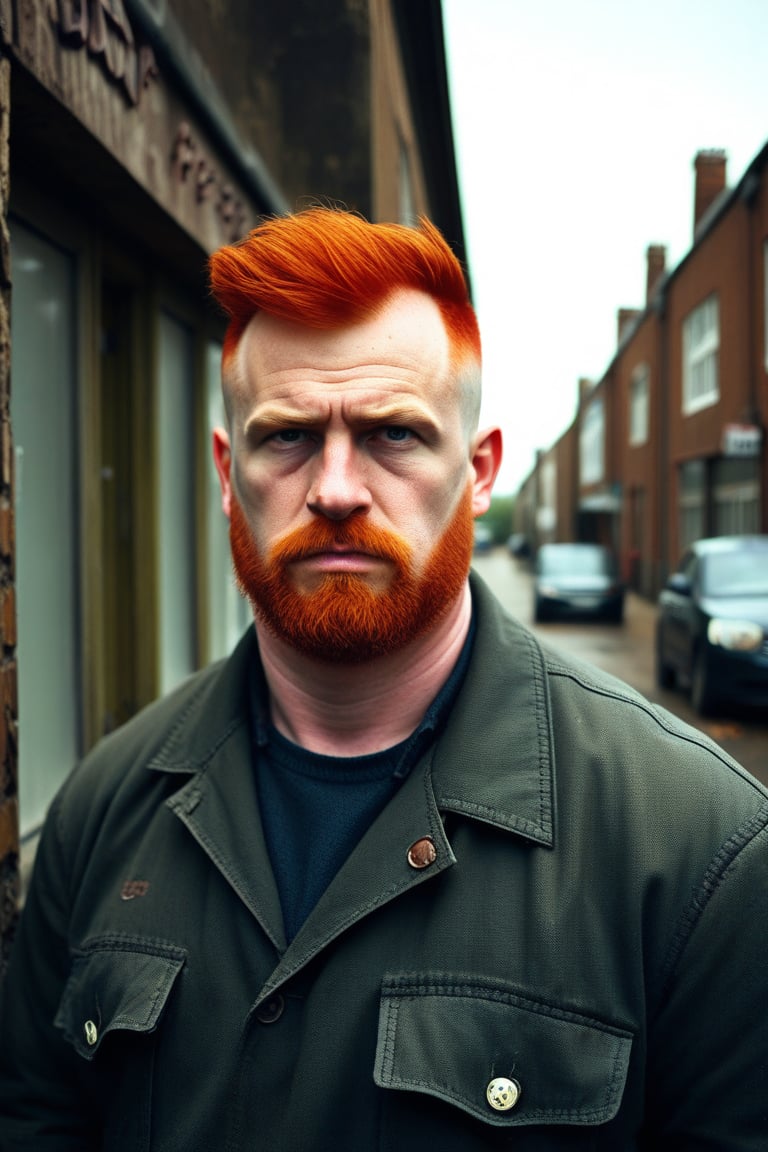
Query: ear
x=222 y=458
x=486 y=461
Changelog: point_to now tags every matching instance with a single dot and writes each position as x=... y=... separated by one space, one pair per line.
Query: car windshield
x=565 y=560
x=736 y=573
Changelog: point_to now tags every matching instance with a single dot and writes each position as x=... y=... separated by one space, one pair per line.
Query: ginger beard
x=344 y=619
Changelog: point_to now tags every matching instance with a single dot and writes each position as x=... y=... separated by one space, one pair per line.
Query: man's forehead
x=406 y=328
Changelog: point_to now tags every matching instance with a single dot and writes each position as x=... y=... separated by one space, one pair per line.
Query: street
x=626 y=652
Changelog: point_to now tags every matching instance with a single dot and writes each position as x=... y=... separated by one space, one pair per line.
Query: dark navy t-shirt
x=315 y=808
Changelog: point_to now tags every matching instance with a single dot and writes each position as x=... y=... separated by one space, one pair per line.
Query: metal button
x=503 y=1094
x=91 y=1032
x=422 y=853
x=271 y=1010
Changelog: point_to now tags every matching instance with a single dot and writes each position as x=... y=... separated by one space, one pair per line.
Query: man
x=392 y=876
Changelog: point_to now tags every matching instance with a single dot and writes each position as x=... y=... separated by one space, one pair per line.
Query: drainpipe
x=749 y=193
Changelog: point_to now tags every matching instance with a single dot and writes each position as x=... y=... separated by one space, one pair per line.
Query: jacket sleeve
x=708 y=1061
x=42 y=1106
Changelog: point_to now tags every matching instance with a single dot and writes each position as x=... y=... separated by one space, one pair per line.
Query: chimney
x=657 y=262
x=585 y=387
x=624 y=318
x=710 y=182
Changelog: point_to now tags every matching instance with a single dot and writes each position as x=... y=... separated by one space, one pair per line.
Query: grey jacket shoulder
x=590 y=737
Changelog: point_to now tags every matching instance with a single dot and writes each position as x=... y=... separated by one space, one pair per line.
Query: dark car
x=518 y=545
x=579 y=580
x=712 y=626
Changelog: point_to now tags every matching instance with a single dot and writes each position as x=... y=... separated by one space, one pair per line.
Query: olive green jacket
x=589 y=932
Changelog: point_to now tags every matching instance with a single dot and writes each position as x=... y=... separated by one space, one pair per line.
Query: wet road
x=626 y=652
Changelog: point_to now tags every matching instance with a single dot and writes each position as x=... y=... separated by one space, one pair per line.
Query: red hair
x=327 y=268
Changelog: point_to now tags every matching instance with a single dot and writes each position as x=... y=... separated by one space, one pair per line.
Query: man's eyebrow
x=397 y=412
x=279 y=416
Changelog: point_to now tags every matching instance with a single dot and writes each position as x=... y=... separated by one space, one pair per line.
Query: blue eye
x=397 y=434
x=290 y=436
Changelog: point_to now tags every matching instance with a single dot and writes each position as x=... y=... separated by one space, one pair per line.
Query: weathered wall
x=9 y=830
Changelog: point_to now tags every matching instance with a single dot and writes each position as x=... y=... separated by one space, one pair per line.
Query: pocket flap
x=116 y=984
x=451 y=1038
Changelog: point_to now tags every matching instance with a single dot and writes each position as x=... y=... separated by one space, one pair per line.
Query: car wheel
x=703 y=696
x=616 y=614
x=665 y=673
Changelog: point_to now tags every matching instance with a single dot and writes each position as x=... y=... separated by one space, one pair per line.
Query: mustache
x=353 y=534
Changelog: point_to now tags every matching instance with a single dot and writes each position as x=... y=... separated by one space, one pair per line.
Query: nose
x=338 y=487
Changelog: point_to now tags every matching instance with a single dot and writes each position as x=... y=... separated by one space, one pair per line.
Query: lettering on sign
x=102 y=29
x=741 y=440
x=193 y=167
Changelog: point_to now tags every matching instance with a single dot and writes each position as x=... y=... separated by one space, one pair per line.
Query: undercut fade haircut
x=328 y=268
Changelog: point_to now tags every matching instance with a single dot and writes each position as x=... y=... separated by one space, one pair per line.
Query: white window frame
x=639 y=404
x=701 y=348
x=592 y=442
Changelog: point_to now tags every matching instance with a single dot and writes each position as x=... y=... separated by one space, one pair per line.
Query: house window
x=592 y=443
x=701 y=345
x=43 y=406
x=638 y=405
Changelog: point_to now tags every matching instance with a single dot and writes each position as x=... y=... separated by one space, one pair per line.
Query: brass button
x=91 y=1033
x=271 y=1010
x=422 y=853
x=503 y=1094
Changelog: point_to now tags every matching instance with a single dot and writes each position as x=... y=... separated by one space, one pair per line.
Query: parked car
x=579 y=580
x=518 y=545
x=712 y=625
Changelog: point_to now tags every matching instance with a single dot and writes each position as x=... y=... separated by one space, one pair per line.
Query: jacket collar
x=494 y=759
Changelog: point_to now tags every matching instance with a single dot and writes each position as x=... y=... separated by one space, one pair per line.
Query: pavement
x=640 y=616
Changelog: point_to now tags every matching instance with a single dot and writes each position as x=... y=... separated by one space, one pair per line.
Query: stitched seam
x=689 y=736
x=711 y=881
x=404 y=988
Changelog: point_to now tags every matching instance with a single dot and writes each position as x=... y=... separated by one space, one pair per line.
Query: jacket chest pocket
x=110 y=1010
x=484 y=1064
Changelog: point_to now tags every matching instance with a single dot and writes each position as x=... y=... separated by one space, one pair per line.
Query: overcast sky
x=576 y=124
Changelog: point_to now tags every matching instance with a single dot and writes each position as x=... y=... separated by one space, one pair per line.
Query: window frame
x=639 y=413
x=592 y=442
x=701 y=355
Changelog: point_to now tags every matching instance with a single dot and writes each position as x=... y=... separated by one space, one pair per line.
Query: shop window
x=228 y=613
x=736 y=496
x=701 y=349
x=407 y=209
x=177 y=541
x=639 y=387
x=691 y=502
x=43 y=408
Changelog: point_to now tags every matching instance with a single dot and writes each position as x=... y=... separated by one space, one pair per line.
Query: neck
x=352 y=710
